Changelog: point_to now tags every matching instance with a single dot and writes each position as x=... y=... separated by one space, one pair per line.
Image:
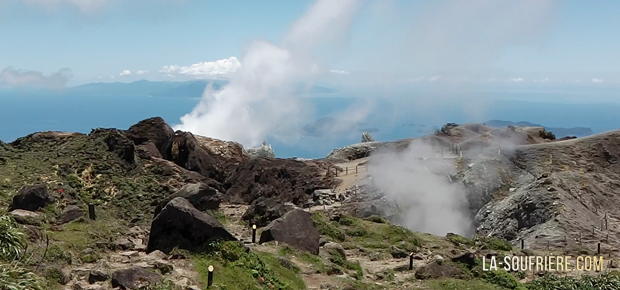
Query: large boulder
x=26 y=217
x=264 y=210
x=296 y=229
x=185 y=151
x=287 y=180
x=153 y=129
x=179 y=224
x=134 y=278
x=32 y=198
x=70 y=214
x=200 y=195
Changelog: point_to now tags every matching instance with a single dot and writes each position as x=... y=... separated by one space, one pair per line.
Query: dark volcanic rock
x=446 y=129
x=285 y=179
x=134 y=278
x=97 y=276
x=153 y=129
x=185 y=151
x=264 y=210
x=179 y=224
x=148 y=150
x=32 y=198
x=438 y=269
x=121 y=145
x=70 y=214
x=295 y=229
x=200 y=195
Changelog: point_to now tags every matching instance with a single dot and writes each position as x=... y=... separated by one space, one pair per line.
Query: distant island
x=557 y=131
x=187 y=89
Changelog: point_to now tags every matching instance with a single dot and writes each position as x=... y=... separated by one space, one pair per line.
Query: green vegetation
x=13 y=275
x=369 y=234
x=456 y=284
x=325 y=227
x=492 y=243
x=12 y=239
x=238 y=268
x=552 y=282
x=459 y=240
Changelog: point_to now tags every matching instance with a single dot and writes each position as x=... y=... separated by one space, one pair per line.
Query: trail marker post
x=210 y=277
x=253 y=234
x=91 y=212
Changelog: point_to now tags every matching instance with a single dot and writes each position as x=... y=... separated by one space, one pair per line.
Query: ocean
x=390 y=118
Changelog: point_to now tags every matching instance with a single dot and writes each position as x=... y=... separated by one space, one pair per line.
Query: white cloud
x=125 y=73
x=207 y=69
x=99 y=77
x=340 y=72
x=435 y=78
x=142 y=72
x=21 y=78
x=597 y=81
x=517 y=80
x=111 y=77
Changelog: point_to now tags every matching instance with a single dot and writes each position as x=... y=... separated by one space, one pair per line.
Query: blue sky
x=113 y=40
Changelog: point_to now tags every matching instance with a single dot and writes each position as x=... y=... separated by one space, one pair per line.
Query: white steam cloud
x=259 y=100
x=421 y=188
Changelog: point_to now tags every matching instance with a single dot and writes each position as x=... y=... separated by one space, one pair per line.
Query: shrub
x=12 y=239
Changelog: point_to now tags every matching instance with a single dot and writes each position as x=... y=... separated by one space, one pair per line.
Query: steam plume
x=259 y=101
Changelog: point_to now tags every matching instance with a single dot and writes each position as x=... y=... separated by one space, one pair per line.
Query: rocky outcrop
x=295 y=229
x=264 y=210
x=120 y=144
x=70 y=214
x=153 y=129
x=285 y=179
x=184 y=151
x=32 y=198
x=262 y=150
x=200 y=195
x=366 y=137
x=179 y=224
x=134 y=278
x=26 y=217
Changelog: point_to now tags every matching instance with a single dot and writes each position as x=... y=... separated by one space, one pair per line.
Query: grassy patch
x=492 y=243
x=456 y=284
x=236 y=268
x=327 y=228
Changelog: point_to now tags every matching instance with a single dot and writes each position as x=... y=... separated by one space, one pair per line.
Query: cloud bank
x=10 y=77
x=210 y=69
x=259 y=100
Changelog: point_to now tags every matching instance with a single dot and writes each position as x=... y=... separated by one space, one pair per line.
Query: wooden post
x=356 y=169
x=91 y=212
x=598 y=251
x=580 y=237
x=346 y=170
x=593 y=230
x=411 y=261
x=210 y=277
x=607 y=238
x=522 y=244
x=253 y=234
